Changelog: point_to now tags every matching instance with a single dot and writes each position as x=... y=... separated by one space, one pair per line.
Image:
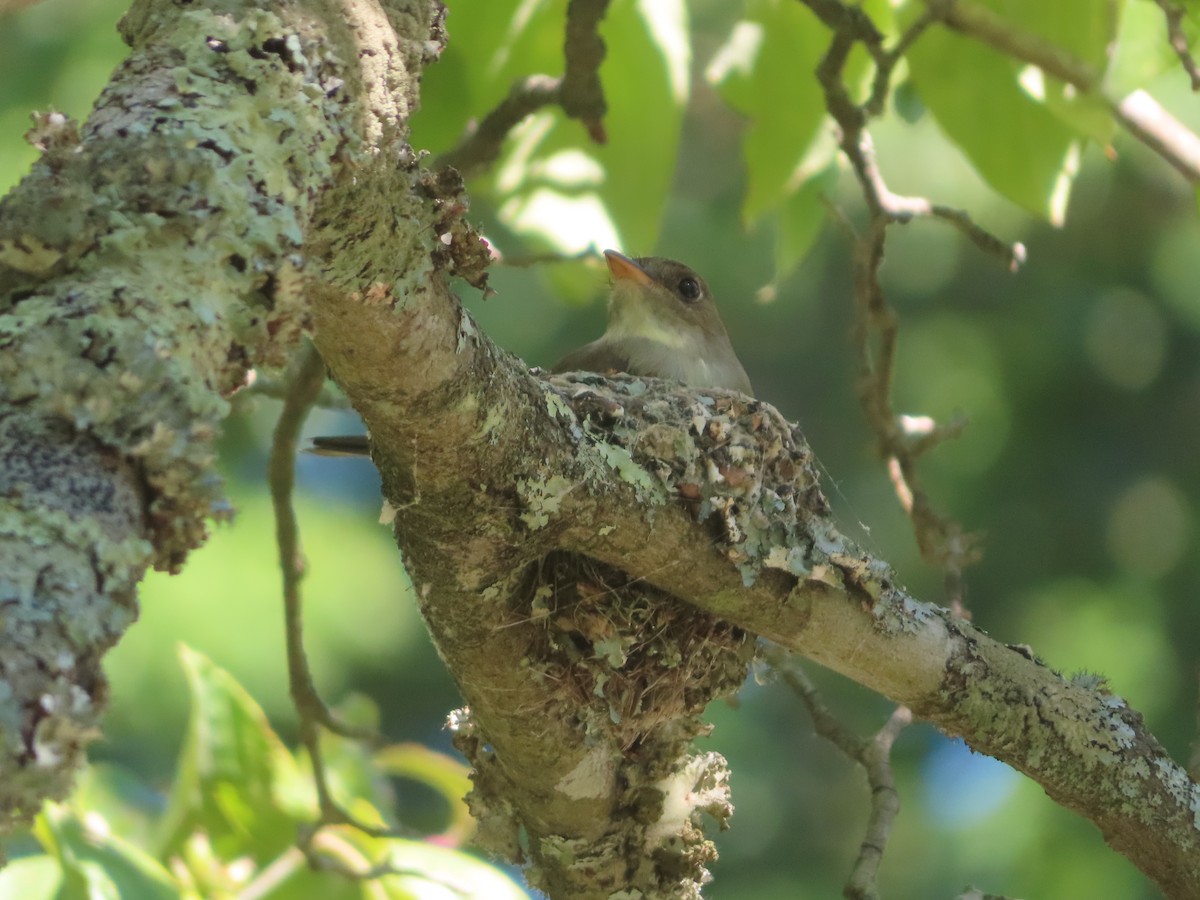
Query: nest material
x=635 y=655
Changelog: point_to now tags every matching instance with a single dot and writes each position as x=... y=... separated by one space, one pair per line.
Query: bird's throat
x=631 y=317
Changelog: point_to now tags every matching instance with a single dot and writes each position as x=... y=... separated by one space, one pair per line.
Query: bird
x=662 y=323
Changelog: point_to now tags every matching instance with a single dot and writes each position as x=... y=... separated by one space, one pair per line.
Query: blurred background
x=1080 y=377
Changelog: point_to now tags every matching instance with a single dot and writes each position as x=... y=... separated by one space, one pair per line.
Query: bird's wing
x=598 y=356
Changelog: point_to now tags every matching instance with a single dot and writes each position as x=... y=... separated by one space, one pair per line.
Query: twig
x=578 y=92
x=941 y=540
x=277 y=389
x=1145 y=119
x=1179 y=43
x=582 y=94
x=329 y=851
x=307 y=380
x=481 y=147
x=982 y=24
x=525 y=260
x=874 y=755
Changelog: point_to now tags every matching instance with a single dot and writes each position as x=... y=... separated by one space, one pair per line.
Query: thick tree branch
x=147 y=261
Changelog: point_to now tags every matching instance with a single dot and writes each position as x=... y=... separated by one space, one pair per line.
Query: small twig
x=327 y=851
x=1179 y=43
x=886 y=61
x=481 y=147
x=277 y=389
x=578 y=92
x=582 y=95
x=982 y=24
x=307 y=380
x=874 y=755
x=941 y=540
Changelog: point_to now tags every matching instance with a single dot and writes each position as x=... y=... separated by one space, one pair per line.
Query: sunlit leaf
x=423 y=871
x=31 y=878
x=802 y=215
x=445 y=775
x=553 y=185
x=1141 y=51
x=1019 y=147
x=765 y=72
x=95 y=863
x=229 y=766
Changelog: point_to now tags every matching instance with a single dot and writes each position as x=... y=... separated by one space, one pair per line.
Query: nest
x=628 y=656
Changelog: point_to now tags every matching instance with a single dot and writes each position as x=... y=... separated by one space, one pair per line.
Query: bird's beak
x=625 y=269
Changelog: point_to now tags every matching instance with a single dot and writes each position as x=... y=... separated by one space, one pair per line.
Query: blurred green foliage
x=229 y=825
x=1080 y=377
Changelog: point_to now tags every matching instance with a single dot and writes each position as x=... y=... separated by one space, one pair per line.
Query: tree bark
x=145 y=265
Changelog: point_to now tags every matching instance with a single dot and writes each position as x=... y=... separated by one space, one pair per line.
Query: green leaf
x=1086 y=30
x=1141 y=50
x=128 y=805
x=1083 y=28
x=426 y=871
x=765 y=72
x=491 y=46
x=230 y=767
x=801 y=217
x=445 y=775
x=552 y=186
x=94 y=863
x=31 y=878
x=1019 y=147
x=645 y=78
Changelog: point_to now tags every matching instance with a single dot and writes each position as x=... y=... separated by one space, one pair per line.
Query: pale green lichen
x=621 y=461
x=192 y=269
x=542 y=499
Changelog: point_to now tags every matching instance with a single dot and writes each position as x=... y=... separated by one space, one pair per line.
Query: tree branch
x=874 y=756
x=618 y=473
x=146 y=262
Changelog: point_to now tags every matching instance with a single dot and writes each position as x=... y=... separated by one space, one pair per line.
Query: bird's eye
x=689 y=289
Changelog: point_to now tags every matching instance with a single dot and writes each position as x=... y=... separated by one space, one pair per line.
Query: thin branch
x=307 y=381
x=941 y=540
x=1145 y=119
x=874 y=755
x=525 y=260
x=578 y=92
x=582 y=94
x=279 y=388
x=1179 y=43
x=482 y=146
x=984 y=25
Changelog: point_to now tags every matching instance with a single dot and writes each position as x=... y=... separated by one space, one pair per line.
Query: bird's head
x=659 y=299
